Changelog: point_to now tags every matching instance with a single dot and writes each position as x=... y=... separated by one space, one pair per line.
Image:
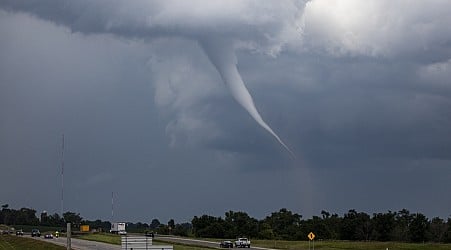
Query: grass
x=342 y=245
x=185 y=247
x=14 y=242
x=292 y=245
x=178 y=246
x=349 y=245
x=101 y=237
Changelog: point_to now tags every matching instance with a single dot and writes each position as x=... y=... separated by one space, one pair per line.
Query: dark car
x=48 y=236
x=226 y=244
x=35 y=233
x=149 y=234
x=19 y=232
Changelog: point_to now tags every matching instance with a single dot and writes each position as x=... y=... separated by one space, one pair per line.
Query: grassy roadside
x=342 y=245
x=116 y=240
x=179 y=246
x=349 y=245
x=101 y=237
x=14 y=242
x=290 y=245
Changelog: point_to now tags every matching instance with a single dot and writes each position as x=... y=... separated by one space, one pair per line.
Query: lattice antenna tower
x=62 y=176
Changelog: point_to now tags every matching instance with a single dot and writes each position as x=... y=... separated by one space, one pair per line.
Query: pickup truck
x=243 y=242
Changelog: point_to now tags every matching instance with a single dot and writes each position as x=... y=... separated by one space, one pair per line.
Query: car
x=35 y=233
x=243 y=242
x=48 y=236
x=122 y=232
x=149 y=234
x=226 y=244
x=19 y=232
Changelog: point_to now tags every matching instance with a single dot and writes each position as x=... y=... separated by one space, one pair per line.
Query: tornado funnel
x=222 y=56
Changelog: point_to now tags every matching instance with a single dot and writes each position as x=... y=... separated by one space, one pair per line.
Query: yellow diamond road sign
x=311 y=236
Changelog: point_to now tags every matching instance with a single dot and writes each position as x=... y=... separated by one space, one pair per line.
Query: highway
x=78 y=244
x=195 y=242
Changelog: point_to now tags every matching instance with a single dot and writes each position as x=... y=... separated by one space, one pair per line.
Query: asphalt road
x=78 y=244
x=205 y=243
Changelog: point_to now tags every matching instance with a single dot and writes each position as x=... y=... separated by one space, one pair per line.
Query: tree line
x=281 y=225
x=353 y=225
x=27 y=216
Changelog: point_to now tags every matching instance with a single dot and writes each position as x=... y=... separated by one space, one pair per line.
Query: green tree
x=214 y=230
x=3 y=213
x=208 y=226
x=240 y=224
x=55 y=220
x=383 y=225
x=356 y=226
x=26 y=216
x=163 y=229
x=171 y=225
x=448 y=231
x=317 y=225
x=332 y=224
x=8 y=215
x=284 y=223
x=265 y=231
x=437 y=230
x=183 y=229
x=418 y=228
x=154 y=224
x=403 y=219
x=74 y=218
x=1 y=216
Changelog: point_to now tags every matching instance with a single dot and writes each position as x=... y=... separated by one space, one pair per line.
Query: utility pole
x=68 y=236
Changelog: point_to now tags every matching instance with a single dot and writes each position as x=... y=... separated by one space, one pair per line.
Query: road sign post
x=311 y=237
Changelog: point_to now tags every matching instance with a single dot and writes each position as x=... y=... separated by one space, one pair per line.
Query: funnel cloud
x=129 y=20
x=223 y=57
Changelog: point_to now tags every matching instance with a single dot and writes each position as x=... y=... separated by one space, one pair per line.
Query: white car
x=243 y=242
x=122 y=232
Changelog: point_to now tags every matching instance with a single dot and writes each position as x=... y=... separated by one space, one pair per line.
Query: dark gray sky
x=360 y=91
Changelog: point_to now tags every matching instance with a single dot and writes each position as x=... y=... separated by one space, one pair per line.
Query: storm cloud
x=359 y=91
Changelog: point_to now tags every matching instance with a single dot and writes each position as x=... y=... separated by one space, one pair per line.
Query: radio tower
x=112 y=208
x=62 y=178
